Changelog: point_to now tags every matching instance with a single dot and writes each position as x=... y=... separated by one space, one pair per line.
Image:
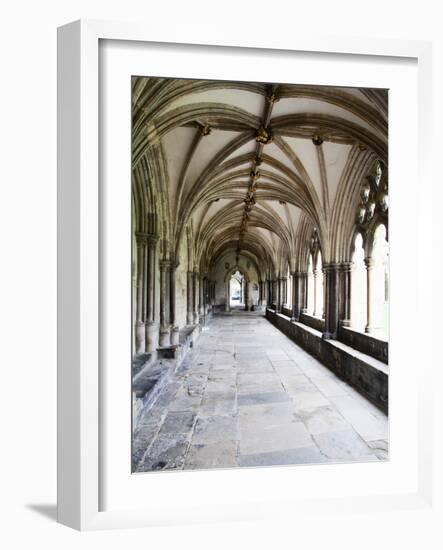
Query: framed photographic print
x=232 y=311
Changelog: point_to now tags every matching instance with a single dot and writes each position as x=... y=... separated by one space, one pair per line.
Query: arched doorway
x=237 y=290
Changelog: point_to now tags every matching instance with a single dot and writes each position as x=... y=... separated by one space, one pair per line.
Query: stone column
x=205 y=296
x=369 y=262
x=140 y=345
x=201 y=298
x=190 y=299
x=212 y=287
x=315 y=277
x=165 y=280
x=195 y=292
x=324 y=293
x=304 y=292
x=151 y=326
x=285 y=291
x=172 y=307
x=246 y=283
x=300 y=293
x=332 y=285
x=345 y=294
x=295 y=310
x=278 y=296
x=227 y=304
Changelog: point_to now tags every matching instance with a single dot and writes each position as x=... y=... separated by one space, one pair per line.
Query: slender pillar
x=324 y=292
x=140 y=345
x=212 y=293
x=195 y=293
x=369 y=262
x=285 y=292
x=172 y=307
x=246 y=283
x=332 y=285
x=151 y=326
x=295 y=315
x=299 y=295
x=316 y=285
x=227 y=295
x=165 y=280
x=304 y=292
x=278 y=284
x=201 y=298
x=345 y=294
x=190 y=299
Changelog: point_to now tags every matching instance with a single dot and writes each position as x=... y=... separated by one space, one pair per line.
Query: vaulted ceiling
x=249 y=165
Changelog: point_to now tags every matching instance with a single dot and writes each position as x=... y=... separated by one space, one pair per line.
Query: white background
x=272 y=490
x=28 y=274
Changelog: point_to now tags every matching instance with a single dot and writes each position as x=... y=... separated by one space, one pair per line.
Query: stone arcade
x=260 y=274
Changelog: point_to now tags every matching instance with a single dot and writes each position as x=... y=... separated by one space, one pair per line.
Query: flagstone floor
x=246 y=395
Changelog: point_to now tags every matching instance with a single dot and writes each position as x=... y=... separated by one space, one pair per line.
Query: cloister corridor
x=247 y=395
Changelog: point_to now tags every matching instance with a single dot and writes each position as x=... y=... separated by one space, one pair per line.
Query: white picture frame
x=81 y=413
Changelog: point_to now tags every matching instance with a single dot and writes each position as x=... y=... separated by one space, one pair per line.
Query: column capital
x=140 y=238
x=152 y=239
x=165 y=265
x=346 y=266
x=369 y=263
x=331 y=266
x=143 y=238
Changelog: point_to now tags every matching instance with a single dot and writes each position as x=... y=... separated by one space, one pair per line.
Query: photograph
x=260 y=274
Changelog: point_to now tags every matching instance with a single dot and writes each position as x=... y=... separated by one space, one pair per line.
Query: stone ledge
x=188 y=335
x=365 y=343
x=367 y=375
x=154 y=375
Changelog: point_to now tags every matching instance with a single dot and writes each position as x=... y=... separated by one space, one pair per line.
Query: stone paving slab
x=343 y=444
x=219 y=455
x=275 y=438
x=262 y=398
x=165 y=453
x=215 y=429
x=178 y=423
x=304 y=455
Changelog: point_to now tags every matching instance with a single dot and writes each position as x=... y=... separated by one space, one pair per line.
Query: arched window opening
x=359 y=287
x=311 y=289
x=380 y=282
x=319 y=287
x=237 y=289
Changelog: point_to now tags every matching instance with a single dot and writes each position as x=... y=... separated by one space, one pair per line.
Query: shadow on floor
x=48 y=511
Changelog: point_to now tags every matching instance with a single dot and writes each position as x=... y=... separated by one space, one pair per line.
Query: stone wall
x=368 y=375
x=219 y=273
x=365 y=343
x=313 y=322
